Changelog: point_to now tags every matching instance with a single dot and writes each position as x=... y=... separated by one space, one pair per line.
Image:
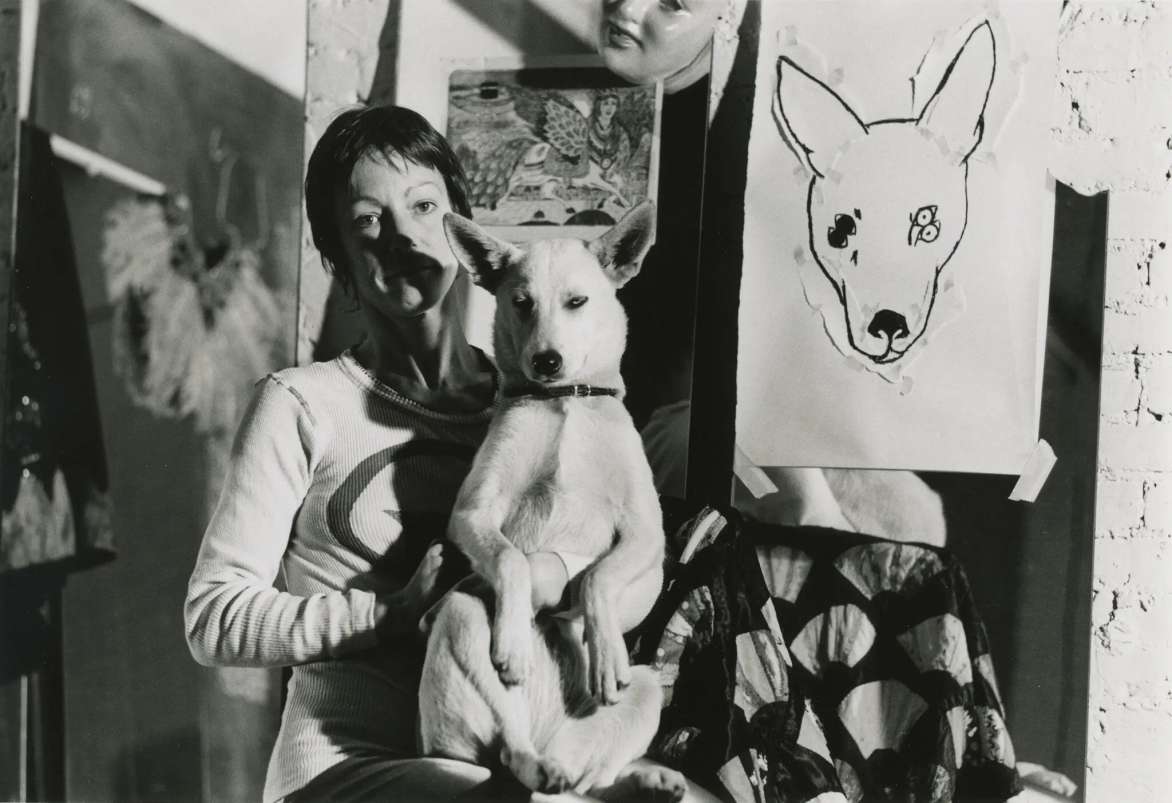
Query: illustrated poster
x=568 y=147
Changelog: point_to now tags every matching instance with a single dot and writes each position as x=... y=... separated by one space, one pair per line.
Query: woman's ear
x=484 y=256
x=621 y=250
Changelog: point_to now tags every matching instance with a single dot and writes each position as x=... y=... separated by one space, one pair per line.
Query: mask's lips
x=621 y=36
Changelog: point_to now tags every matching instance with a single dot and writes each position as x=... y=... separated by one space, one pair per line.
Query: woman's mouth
x=615 y=35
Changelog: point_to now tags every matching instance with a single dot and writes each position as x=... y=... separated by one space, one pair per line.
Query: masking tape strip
x=1033 y=476
x=756 y=480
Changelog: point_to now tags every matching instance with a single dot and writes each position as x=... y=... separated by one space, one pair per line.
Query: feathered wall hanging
x=194 y=327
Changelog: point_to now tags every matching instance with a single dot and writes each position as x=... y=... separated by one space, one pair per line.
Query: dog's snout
x=889 y=324
x=547 y=363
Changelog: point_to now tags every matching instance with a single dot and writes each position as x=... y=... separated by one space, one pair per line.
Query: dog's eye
x=925 y=227
x=576 y=302
x=844 y=227
x=523 y=305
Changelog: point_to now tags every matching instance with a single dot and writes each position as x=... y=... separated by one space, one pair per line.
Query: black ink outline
x=791 y=138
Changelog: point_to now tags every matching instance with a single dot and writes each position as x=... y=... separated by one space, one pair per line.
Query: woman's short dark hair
x=387 y=130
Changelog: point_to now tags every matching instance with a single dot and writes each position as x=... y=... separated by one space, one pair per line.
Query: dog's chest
x=579 y=484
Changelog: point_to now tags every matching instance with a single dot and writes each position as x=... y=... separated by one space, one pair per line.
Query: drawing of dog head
x=888 y=200
x=558 y=319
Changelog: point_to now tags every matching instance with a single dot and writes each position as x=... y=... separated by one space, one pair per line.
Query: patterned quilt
x=806 y=664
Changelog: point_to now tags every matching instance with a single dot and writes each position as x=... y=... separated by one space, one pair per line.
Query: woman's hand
x=398 y=612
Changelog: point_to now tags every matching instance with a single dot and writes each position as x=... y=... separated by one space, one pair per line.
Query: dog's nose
x=547 y=363
x=888 y=323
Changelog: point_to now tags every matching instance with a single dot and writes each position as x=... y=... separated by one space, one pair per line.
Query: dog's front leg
x=506 y=571
x=619 y=590
x=498 y=478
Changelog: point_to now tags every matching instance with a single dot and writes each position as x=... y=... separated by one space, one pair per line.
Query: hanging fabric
x=194 y=326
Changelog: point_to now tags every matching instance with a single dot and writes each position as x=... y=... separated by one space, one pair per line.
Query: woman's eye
x=365 y=221
x=671 y=5
x=576 y=302
x=523 y=305
x=426 y=206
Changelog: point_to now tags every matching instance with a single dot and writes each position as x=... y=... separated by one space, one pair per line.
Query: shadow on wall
x=161 y=768
x=1031 y=564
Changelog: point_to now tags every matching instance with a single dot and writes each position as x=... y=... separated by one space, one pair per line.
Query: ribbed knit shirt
x=337 y=484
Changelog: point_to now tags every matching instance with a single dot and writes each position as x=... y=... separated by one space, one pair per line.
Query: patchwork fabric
x=806 y=664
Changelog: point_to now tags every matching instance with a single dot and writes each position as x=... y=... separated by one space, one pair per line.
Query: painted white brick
x=1160 y=271
x=1142 y=215
x=1128 y=270
x=1120 y=396
x=1146 y=329
x=1130 y=762
x=1146 y=447
x=1158 y=385
x=1158 y=505
x=1119 y=505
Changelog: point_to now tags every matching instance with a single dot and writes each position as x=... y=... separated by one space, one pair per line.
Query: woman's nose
x=403 y=233
x=399 y=241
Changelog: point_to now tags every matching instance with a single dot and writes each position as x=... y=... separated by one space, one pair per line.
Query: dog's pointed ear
x=818 y=121
x=955 y=113
x=621 y=250
x=484 y=256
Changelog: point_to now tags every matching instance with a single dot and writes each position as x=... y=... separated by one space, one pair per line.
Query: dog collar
x=559 y=392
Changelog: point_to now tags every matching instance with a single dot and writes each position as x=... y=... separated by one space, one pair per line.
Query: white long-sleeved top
x=337 y=483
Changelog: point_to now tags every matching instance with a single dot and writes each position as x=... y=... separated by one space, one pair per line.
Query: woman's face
x=390 y=217
x=645 y=41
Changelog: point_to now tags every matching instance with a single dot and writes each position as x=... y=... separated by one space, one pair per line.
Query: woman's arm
x=233 y=614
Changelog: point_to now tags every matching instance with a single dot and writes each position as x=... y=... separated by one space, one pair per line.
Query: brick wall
x=1115 y=80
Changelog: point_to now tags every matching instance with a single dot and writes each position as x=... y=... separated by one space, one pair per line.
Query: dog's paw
x=610 y=668
x=658 y=783
x=536 y=772
x=512 y=648
x=646 y=783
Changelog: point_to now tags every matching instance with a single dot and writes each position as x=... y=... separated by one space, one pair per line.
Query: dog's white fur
x=898 y=186
x=556 y=702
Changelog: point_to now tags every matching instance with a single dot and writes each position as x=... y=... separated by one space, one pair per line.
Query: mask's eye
x=576 y=302
x=523 y=305
x=844 y=227
x=925 y=215
x=930 y=232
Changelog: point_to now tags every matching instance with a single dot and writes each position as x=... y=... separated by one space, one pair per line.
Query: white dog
x=561 y=469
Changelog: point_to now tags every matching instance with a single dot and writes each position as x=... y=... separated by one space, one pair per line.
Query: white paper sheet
x=884 y=322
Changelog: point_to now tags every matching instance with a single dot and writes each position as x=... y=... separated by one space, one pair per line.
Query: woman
x=343 y=474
